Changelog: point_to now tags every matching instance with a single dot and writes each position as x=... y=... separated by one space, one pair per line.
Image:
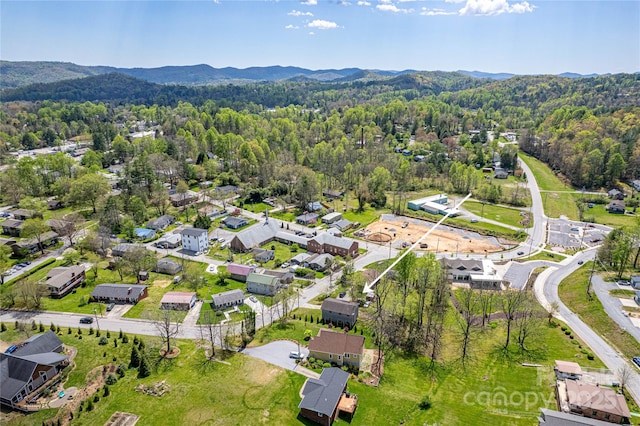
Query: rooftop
x=336 y=342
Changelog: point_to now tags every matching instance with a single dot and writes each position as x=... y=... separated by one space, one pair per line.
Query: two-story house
x=262 y=284
x=61 y=281
x=338 y=348
x=339 y=312
x=195 y=239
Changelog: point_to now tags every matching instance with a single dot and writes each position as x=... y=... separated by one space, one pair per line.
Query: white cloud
x=494 y=7
x=299 y=13
x=387 y=6
x=322 y=25
x=310 y=2
x=291 y=27
x=311 y=33
x=454 y=1
x=363 y=3
x=436 y=12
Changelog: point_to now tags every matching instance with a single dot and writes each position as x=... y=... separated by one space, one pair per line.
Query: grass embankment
x=545 y=255
x=556 y=201
x=506 y=215
x=573 y=293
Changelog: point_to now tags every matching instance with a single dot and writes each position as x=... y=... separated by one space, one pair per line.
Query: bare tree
x=30 y=293
x=467 y=301
x=70 y=227
x=209 y=332
x=166 y=326
x=139 y=259
x=526 y=320
x=510 y=303
x=554 y=308
x=624 y=374
x=485 y=298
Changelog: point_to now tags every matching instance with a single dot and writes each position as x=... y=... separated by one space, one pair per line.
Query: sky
x=513 y=36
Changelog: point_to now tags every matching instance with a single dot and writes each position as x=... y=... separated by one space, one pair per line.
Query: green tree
x=202 y=222
x=88 y=189
x=5 y=261
x=34 y=228
x=144 y=369
x=135 y=357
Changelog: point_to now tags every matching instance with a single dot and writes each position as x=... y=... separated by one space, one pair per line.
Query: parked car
x=405 y=224
x=285 y=265
x=636 y=361
x=110 y=306
x=520 y=253
x=86 y=320
x=474 y=220
x=623 y=282
x=253 y=299
x=296 y=355
x=580 y=262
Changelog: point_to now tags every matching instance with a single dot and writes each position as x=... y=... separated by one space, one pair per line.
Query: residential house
x=616 y=206
x=307 y=219
x=227 y=299
x=168 y=266
x=332 y=194
x=263 y=255
x=60 y=281
x=283 y=276
x=477 y=274
x=592 y=401
x=314 y=206
x=335 y=231
x=234 y=222
x=32 y=245
x=299 y=258
x=178 y=300
x=161 y=223
x=337 y=347
x=331 y=218
x=240 y=272
x=615 y=194
x=115 y=168
x=500 y=174
x=23 y=214
x=169 y=241
x=262 y=284
x=120 y=249
x=567 y=370
x=637 y=297
x=144 y=233
x=178 y=200
x=195 y=239
x=635 y=282
x=636 y=184
x=558 y=418
x=319 y=262
x=54 y=204
x=326 y=243
x=339 y=312
x=342 y=225
x=325 y=397
x=12 y=227
x=60 y=227
x=227 y=189
x=34 y=366
x=263 y=233
x=119 y=293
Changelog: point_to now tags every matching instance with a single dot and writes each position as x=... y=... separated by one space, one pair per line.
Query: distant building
x=178 y=200
x=119 y=293
x=195 y=239
x=615 y=194
x=331 y=218
x=169 y=241
x=262 y=255
x=12 y=227
x=616 y=206
x=314 y=206
x=307 y=219
x=478 y=274
x=227 y=299
x=262 y=284
x=168 y=266
x=32 y=245
x=161 y=223
x=178 y=300
x=54 y=204
x=120 y=249
x=326 y=243
x=22 y=214
x=235 y=222
x=144 y=233
x=636 y=184
x=567 y=370
x=240 y=272
x=61 y=281
x=435 y=204
x=500 y=174
x=319 y=262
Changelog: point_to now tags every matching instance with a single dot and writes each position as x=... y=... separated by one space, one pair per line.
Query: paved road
x=546 y=291
x=613 y=306
x=277 y=353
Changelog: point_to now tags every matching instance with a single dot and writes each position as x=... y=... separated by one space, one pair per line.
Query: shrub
x=121 y=370
x=52 y=327
x=34 y=326
x=97 y=333
x=90 y=405
x=111 y=379
x=108 y=335
x=41 y=328
x=575 y=342
x=106 y=391
x=425 y=404
x=326 y=365
x=3 y=327
x=125 y=339
x=90 y=330
x=563 y=328
x=103 y=341
x=96 y=398
x=104 y=354
x=590 y=356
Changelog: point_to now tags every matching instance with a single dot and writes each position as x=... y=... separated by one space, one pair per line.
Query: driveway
x=277 y=353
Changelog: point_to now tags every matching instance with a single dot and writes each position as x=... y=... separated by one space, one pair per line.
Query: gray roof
x=47 y=358
x=12 y=223
x=320 y=260
x=124 y=247
x=60 y=276
x=167 y=264
x=339 y=306
x=322 y=395
x=342 y=223
x=118 y=291
x=292 y=238
x=557 y=418
x=227 y=297
x=14 y=374
x=47 y=342
x=300 y=257
x=160 y=222
x=259 y=233
x=235 y=221
x=194 y=232
x=332 y=240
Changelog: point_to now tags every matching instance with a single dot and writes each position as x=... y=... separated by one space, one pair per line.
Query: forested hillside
x=274 y=137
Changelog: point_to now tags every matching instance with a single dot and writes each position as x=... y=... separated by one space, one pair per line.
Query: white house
x=195 y=239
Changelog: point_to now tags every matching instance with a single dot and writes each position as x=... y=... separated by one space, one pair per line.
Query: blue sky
x=517 y=36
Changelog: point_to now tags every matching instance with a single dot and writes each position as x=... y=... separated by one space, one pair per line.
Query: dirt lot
x=443 y=238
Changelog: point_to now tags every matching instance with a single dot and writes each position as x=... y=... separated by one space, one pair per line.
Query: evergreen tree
x=135 y=357
x=144 y=369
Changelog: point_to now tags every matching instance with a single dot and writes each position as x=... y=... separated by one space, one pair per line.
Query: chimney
x=129 y=290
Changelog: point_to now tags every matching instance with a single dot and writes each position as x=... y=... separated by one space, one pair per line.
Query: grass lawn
x=545 y=255
x=558 y=204
x=501 y=214
x=255 y=208
x=487 y=229
x=289 y=216
x=598 y=214
x=622 y=293
x=283 y=253
x=573 y=293
x=546 y=179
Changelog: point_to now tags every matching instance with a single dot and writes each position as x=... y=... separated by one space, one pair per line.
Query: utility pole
x=593 y=267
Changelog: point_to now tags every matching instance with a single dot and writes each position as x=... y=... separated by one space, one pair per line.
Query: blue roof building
x=144 y=233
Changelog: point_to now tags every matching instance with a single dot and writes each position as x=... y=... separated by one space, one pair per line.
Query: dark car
x=636 y=361
x=86 y=320
x=580 y=262
x=520 y=253
x=110 y=306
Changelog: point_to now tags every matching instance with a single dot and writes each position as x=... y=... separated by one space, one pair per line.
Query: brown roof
x=336 y=343
x=593 y=397
x=177 y=297
x=568 y=367
x=339 y=306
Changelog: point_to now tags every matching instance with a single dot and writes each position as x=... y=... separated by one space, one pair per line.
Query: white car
x=296 y=355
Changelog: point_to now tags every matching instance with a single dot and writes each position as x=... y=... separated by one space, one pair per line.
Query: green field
x=598 y=214
x=546 y=179
x=573 y=293
x=500 y=214
x=558 y=204
x=545 y=255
